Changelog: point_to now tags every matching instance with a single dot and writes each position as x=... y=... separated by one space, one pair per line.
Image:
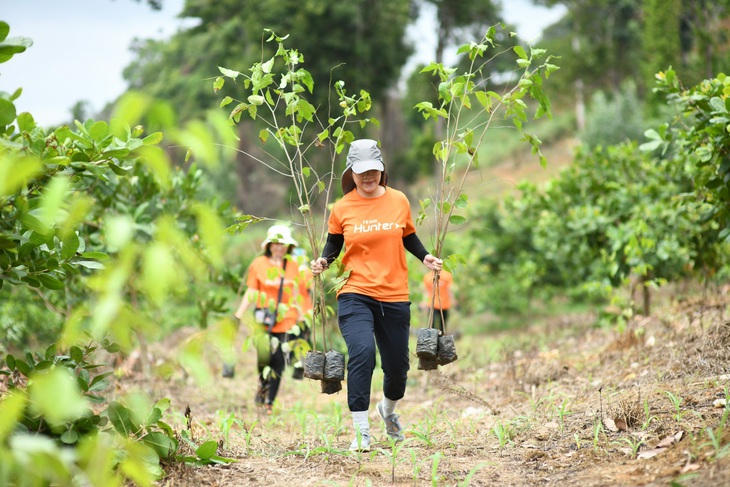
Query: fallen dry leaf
x=621 y=424
x=650 y=453
x=720 y=403
x=690 y=467
x=670 y=440
x=610 y=424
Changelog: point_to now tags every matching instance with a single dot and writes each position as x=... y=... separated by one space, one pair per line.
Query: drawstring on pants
x=382 y=311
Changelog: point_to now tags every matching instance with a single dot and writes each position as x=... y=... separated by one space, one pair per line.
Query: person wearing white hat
x=272 y=287
x=374 y=223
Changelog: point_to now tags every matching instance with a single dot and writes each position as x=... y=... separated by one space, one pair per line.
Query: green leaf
x=13 y=46
x=207 y=450
x=69 y=246
x=26 y=122
x=121 y=418
x=119 y=171
x=226 y=101
x=70 y=437
x=7 y=112
x=76 y=354
x=256 y=100
x=23 y=367
x=228 y=72
x=153 y=139
x=218 y=84
x=162 y=444
x=266 y=67
x=56 y=396
x=11 y=408
x=222 y=460
x=90 y=264
x=49 y=282
x=95 y=255
x=520 y=51
x=32 y=223
x=98 y=130
x=83 y=384
x=116 y=153
x=154 y=416
x=457 y=220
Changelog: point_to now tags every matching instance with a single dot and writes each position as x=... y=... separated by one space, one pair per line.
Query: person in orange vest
x=442 y=301
x=373 y=222
x=272 y=284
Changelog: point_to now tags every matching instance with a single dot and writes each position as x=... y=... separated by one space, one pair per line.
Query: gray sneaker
x=392 y=425
x=361 y=442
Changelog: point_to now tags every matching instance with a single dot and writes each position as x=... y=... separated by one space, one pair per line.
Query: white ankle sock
x=388 y=406
x=360 y=422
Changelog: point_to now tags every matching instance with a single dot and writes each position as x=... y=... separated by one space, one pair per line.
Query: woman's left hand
x=432 y=262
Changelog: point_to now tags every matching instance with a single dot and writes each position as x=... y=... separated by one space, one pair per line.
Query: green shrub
x=615 y=118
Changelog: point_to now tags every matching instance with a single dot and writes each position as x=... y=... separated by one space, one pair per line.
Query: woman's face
x=368 y=182
x=277 y=250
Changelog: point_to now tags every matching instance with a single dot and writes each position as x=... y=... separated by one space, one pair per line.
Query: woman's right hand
x=318 y=265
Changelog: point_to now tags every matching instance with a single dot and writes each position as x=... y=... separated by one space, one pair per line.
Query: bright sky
x=80 y=47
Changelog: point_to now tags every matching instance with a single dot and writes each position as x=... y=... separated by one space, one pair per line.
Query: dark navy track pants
x=365 y=323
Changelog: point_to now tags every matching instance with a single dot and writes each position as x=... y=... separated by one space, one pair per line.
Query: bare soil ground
x=557 y=403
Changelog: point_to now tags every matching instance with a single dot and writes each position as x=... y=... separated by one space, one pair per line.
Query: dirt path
x=549 y=385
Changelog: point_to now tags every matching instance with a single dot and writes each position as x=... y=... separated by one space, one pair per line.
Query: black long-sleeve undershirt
x=335 y=242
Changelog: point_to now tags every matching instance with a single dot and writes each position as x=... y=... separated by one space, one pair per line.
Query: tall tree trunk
x=647 y=298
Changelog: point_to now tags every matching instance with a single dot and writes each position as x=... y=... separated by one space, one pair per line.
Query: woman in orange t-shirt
x=269 y=276
x=374 y=223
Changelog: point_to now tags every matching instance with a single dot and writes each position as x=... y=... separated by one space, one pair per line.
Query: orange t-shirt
x=265 y=277
x=374 y=229
x=443 y=299
x=305 y=283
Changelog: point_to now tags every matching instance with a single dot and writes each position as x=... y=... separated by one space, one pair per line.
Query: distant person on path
x=442 y=301
x=272 y=287
x=374 y=223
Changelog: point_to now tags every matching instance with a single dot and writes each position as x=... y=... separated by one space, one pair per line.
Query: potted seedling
x=275 y=92
x=467 y=108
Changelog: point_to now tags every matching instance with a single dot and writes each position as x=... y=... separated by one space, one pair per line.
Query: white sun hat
x=279 y=234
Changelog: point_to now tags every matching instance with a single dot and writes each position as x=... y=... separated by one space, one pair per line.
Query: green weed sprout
x=633 y=443
x=393 y=454
x=336 y=420
x=597 y=430
x=503 y=433
x=436 y=457
x=676 y=404
x=562 y=412
x=648 y=418
x=226 y=422
x=417 y=465
x=247 y=434
x=467 y=480
x=715 y=435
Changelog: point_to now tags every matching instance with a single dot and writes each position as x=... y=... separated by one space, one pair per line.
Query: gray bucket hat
x=362 y=156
